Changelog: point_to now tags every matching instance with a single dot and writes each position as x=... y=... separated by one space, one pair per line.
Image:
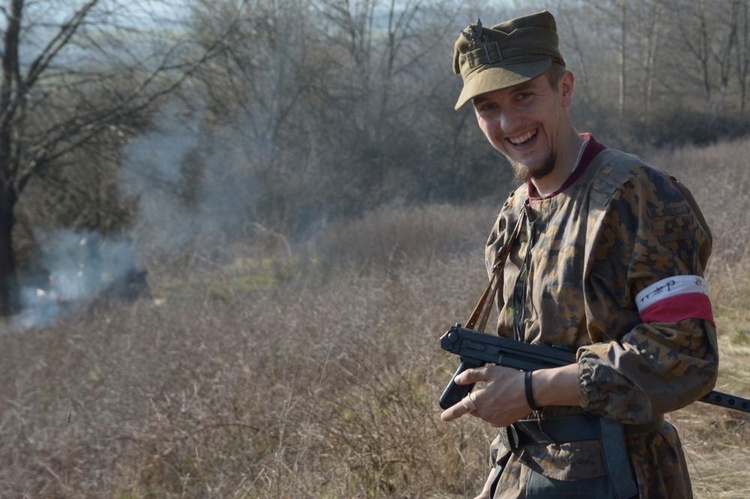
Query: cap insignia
x=474 y=33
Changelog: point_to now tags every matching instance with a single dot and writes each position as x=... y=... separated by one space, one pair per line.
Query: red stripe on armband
x=674 y=299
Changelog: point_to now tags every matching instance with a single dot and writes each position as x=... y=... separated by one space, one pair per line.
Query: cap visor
x=494 y=78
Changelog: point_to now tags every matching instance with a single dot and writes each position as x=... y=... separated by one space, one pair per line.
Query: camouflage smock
x=615 y=229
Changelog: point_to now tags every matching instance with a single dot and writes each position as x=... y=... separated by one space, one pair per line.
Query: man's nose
x=507 y=120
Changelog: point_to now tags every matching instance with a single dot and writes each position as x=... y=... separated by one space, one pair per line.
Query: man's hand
x=500 y=397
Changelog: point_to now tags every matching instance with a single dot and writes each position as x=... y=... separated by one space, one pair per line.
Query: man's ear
x=567 y=84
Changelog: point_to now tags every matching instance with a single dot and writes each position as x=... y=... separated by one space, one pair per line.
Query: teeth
x=521 y=139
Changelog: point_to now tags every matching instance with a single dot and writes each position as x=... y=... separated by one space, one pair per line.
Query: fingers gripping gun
x=476 y=349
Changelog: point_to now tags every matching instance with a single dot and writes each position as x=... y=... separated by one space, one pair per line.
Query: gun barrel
x=727 y=400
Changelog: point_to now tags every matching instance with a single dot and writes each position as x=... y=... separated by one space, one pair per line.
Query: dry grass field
x=318 y=376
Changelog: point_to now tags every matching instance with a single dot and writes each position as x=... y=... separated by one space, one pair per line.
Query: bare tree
x=74 y=72
x=257 y=94
x=622 y=56
x=741 y=11
x=725 y=46
x=692 y=24
x=653 y=32
x=326 y=95
x=615 y=16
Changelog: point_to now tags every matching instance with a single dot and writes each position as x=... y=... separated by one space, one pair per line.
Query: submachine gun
x=476 y=349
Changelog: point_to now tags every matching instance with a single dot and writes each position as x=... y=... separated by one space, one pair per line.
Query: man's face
x=528 y=123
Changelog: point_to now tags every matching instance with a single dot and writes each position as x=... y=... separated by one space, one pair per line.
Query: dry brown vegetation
x=317 y=376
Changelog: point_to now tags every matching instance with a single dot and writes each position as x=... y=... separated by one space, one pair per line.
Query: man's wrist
x=529 y=387
x=557 y=386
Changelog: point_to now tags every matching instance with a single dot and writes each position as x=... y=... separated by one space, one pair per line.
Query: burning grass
x=318 y=381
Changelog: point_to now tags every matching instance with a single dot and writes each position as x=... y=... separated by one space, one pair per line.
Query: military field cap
x=506 y=54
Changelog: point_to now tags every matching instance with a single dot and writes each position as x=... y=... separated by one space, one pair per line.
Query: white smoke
x=81 y=267
x=153 y=174
x=193 y=185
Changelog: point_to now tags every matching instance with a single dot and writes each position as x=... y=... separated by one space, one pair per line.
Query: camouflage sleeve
x=647 y=307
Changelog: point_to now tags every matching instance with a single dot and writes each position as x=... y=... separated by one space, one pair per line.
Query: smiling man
x=605 y=257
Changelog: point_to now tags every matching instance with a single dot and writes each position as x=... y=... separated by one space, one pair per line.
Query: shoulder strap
x=481 y=312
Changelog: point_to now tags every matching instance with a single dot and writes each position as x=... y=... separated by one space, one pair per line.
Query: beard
x=525 y=173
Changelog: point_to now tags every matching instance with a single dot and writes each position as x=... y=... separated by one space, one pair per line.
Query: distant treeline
x=308 y=111
x=334 y=107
